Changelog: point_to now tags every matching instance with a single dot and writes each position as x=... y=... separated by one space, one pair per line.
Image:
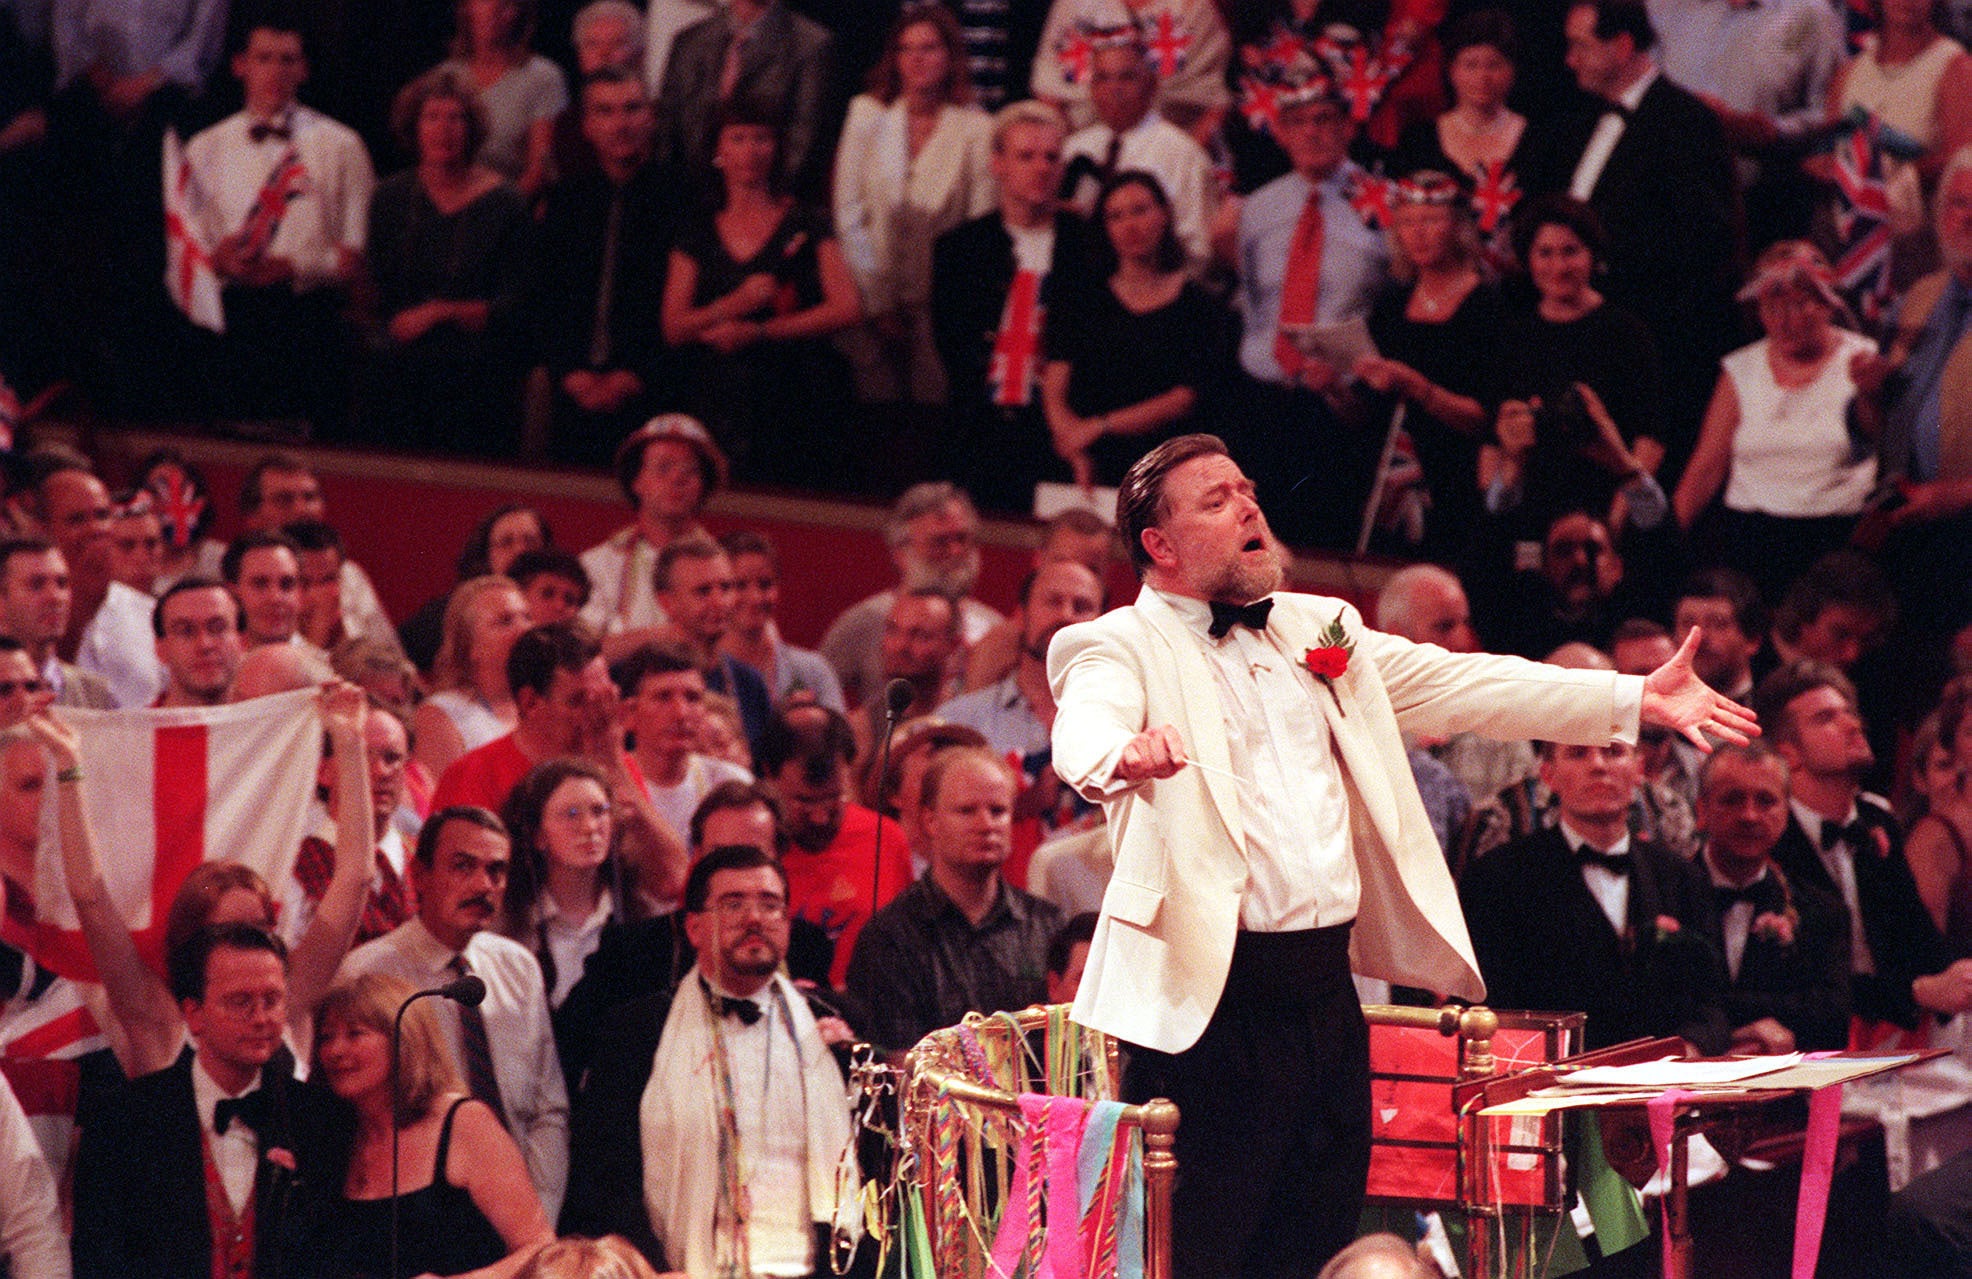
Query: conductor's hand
x=1151 y=754
x=1675 y=698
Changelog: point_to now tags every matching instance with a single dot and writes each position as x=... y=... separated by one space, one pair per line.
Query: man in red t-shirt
x=832 y=876
x=567 y=706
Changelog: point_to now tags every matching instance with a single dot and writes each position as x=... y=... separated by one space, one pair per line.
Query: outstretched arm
x=138 y=997
x=319 y=952
x=1675 y=698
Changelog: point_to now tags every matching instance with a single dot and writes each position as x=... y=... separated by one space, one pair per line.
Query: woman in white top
x=914 y=161
x=473 y=704
x=1778 y=437
x=522 y=91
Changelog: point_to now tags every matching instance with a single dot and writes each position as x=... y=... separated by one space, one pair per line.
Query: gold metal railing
x=928 y=1073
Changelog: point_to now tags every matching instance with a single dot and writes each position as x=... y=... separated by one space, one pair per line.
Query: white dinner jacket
x=1164 y=944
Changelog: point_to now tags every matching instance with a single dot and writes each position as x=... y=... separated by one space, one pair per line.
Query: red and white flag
x=168 y=789
x=188 y=273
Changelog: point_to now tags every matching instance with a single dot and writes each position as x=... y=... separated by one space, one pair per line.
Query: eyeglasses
x=9 y=687
x=768 y=906
x=574 y=813
x=246 y=1003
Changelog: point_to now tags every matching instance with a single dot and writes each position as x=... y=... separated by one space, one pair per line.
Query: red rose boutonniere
x=1330 y=661
x=1667 y=928
x=1776 y=927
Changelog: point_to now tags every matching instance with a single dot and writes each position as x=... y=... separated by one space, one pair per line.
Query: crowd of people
x=1576 y=315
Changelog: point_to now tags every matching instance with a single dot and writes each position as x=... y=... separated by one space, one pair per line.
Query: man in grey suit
x=764 y=52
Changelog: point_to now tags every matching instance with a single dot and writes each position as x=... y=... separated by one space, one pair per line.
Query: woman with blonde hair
x=472 y=704
x=610 y=1257
x=469 y=1209
x=1777 y=438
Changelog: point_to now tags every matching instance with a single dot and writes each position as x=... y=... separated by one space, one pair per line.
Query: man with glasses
x=737 y=1093
x=222 y=1162
x=197 y=625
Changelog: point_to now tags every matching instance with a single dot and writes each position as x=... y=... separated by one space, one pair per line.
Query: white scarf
x=678 y=1125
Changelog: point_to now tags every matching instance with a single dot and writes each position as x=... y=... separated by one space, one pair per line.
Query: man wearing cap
x=1306 y=259
x=667 y=469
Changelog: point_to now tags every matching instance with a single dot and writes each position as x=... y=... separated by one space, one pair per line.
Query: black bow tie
x=746 y=1010
x=1226 y=616
x=1616 y=863
x=249 y=1108
x=1855 y=834
x=262 y=132
x=1753 y=894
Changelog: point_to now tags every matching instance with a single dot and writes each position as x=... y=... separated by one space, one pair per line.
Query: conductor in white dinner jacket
x=1268 y=839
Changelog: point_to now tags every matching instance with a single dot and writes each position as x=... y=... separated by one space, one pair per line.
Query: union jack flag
x=1017 y=345
x=1494 y=196
x=1167 y=43
x=1862 y=221
x=285 y=184
x=1075 y=51
x=1369 y=196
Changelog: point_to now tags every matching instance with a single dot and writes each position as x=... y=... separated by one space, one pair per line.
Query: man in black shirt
x=961 y=939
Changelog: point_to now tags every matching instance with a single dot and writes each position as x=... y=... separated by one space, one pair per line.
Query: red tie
x=1301 y=286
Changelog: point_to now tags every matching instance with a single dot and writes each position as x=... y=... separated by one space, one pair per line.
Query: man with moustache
x=933 y=534
x=1225 y=946
x=504 y=1047
x=649 y=1123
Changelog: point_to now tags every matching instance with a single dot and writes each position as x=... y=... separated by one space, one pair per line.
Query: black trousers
x=1930 y=1227
x=1273 y=1135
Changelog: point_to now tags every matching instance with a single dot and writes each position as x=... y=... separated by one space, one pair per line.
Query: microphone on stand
x=897 y=698
x=468 y=990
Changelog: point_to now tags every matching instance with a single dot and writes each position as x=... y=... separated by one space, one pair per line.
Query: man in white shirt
x=279 y=490
x=286 y=200
x=663 y=694
x=1128 y=134
x=504 y=1047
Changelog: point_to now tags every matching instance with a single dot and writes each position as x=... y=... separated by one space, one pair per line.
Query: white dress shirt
x=1608 y=132
x=330 y=214
x=1839 y=861
x=235 y=1152
x=118 y=645
x=773 y=1130
x=516 y=1015
x=1301 y=865
x=1180 y=165
x=1736 y=920
x=570 y=941
x=622 y=592
x=31 y=1237
x=1610 y=890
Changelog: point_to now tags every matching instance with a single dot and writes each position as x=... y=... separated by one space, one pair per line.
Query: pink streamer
x=1661 y=1110
x=1817 y=1174
x=1055 y=1123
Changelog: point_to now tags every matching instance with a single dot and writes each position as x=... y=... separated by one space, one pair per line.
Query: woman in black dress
x=1129 y=366
x=1437 y=331
x=470 y=1209
x=447 y=250
x=1581 y=414
x=755 y=287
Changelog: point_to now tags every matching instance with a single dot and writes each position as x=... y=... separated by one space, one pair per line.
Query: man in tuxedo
x=1635 y=923
x=1248 y=884
x=1651 y=160
x=222 y=1162
x=994 y=280
x=736 y=915
x=1847 y=844
x=1786 y=945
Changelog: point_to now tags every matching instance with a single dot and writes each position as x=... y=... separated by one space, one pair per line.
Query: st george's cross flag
x=163 y=791
x=188 y=273
x=167 y=789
